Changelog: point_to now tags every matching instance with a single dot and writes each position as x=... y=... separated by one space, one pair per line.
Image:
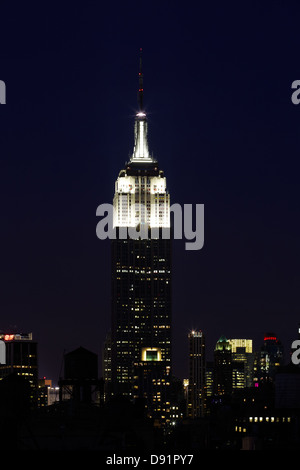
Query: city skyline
x=224 y=129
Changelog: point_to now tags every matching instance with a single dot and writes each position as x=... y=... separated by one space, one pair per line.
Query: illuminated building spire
x=141 y=151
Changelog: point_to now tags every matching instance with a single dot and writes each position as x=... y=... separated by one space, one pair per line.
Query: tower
x=222 y=367
x=268 y=359
x=242 y=362
x=196 y=388
x=141 y=272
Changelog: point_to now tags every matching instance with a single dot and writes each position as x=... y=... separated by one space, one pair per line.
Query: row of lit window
x=268 y=419
x=138 y=271
x=28 y=366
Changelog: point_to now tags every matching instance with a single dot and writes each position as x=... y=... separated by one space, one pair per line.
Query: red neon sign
x=8 y=337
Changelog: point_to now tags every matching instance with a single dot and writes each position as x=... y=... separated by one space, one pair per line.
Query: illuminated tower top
x=141 y=151
x=141 y=197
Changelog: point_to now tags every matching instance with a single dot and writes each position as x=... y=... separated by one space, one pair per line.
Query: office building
x=222 y=367
x=268 y=359
x=43 y=390
x=152 y=387
x=196 y=387
x=242 y=362
x=21 y=358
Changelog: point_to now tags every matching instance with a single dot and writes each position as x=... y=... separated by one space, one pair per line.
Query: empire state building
x=141 y=276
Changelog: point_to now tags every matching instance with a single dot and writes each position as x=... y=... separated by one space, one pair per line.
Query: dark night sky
x=217 y=81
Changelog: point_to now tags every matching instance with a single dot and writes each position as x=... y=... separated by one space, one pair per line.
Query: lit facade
x=245 y=344
x=141 y=275
x=141 y=199
x=242 y=362
x=43 y=385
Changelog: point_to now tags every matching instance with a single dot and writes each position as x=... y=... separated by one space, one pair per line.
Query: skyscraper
x=242 y=353
x=21 y=358
x=140 y=271
x=196 y=388
x=222 y=367
x=268 y=359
